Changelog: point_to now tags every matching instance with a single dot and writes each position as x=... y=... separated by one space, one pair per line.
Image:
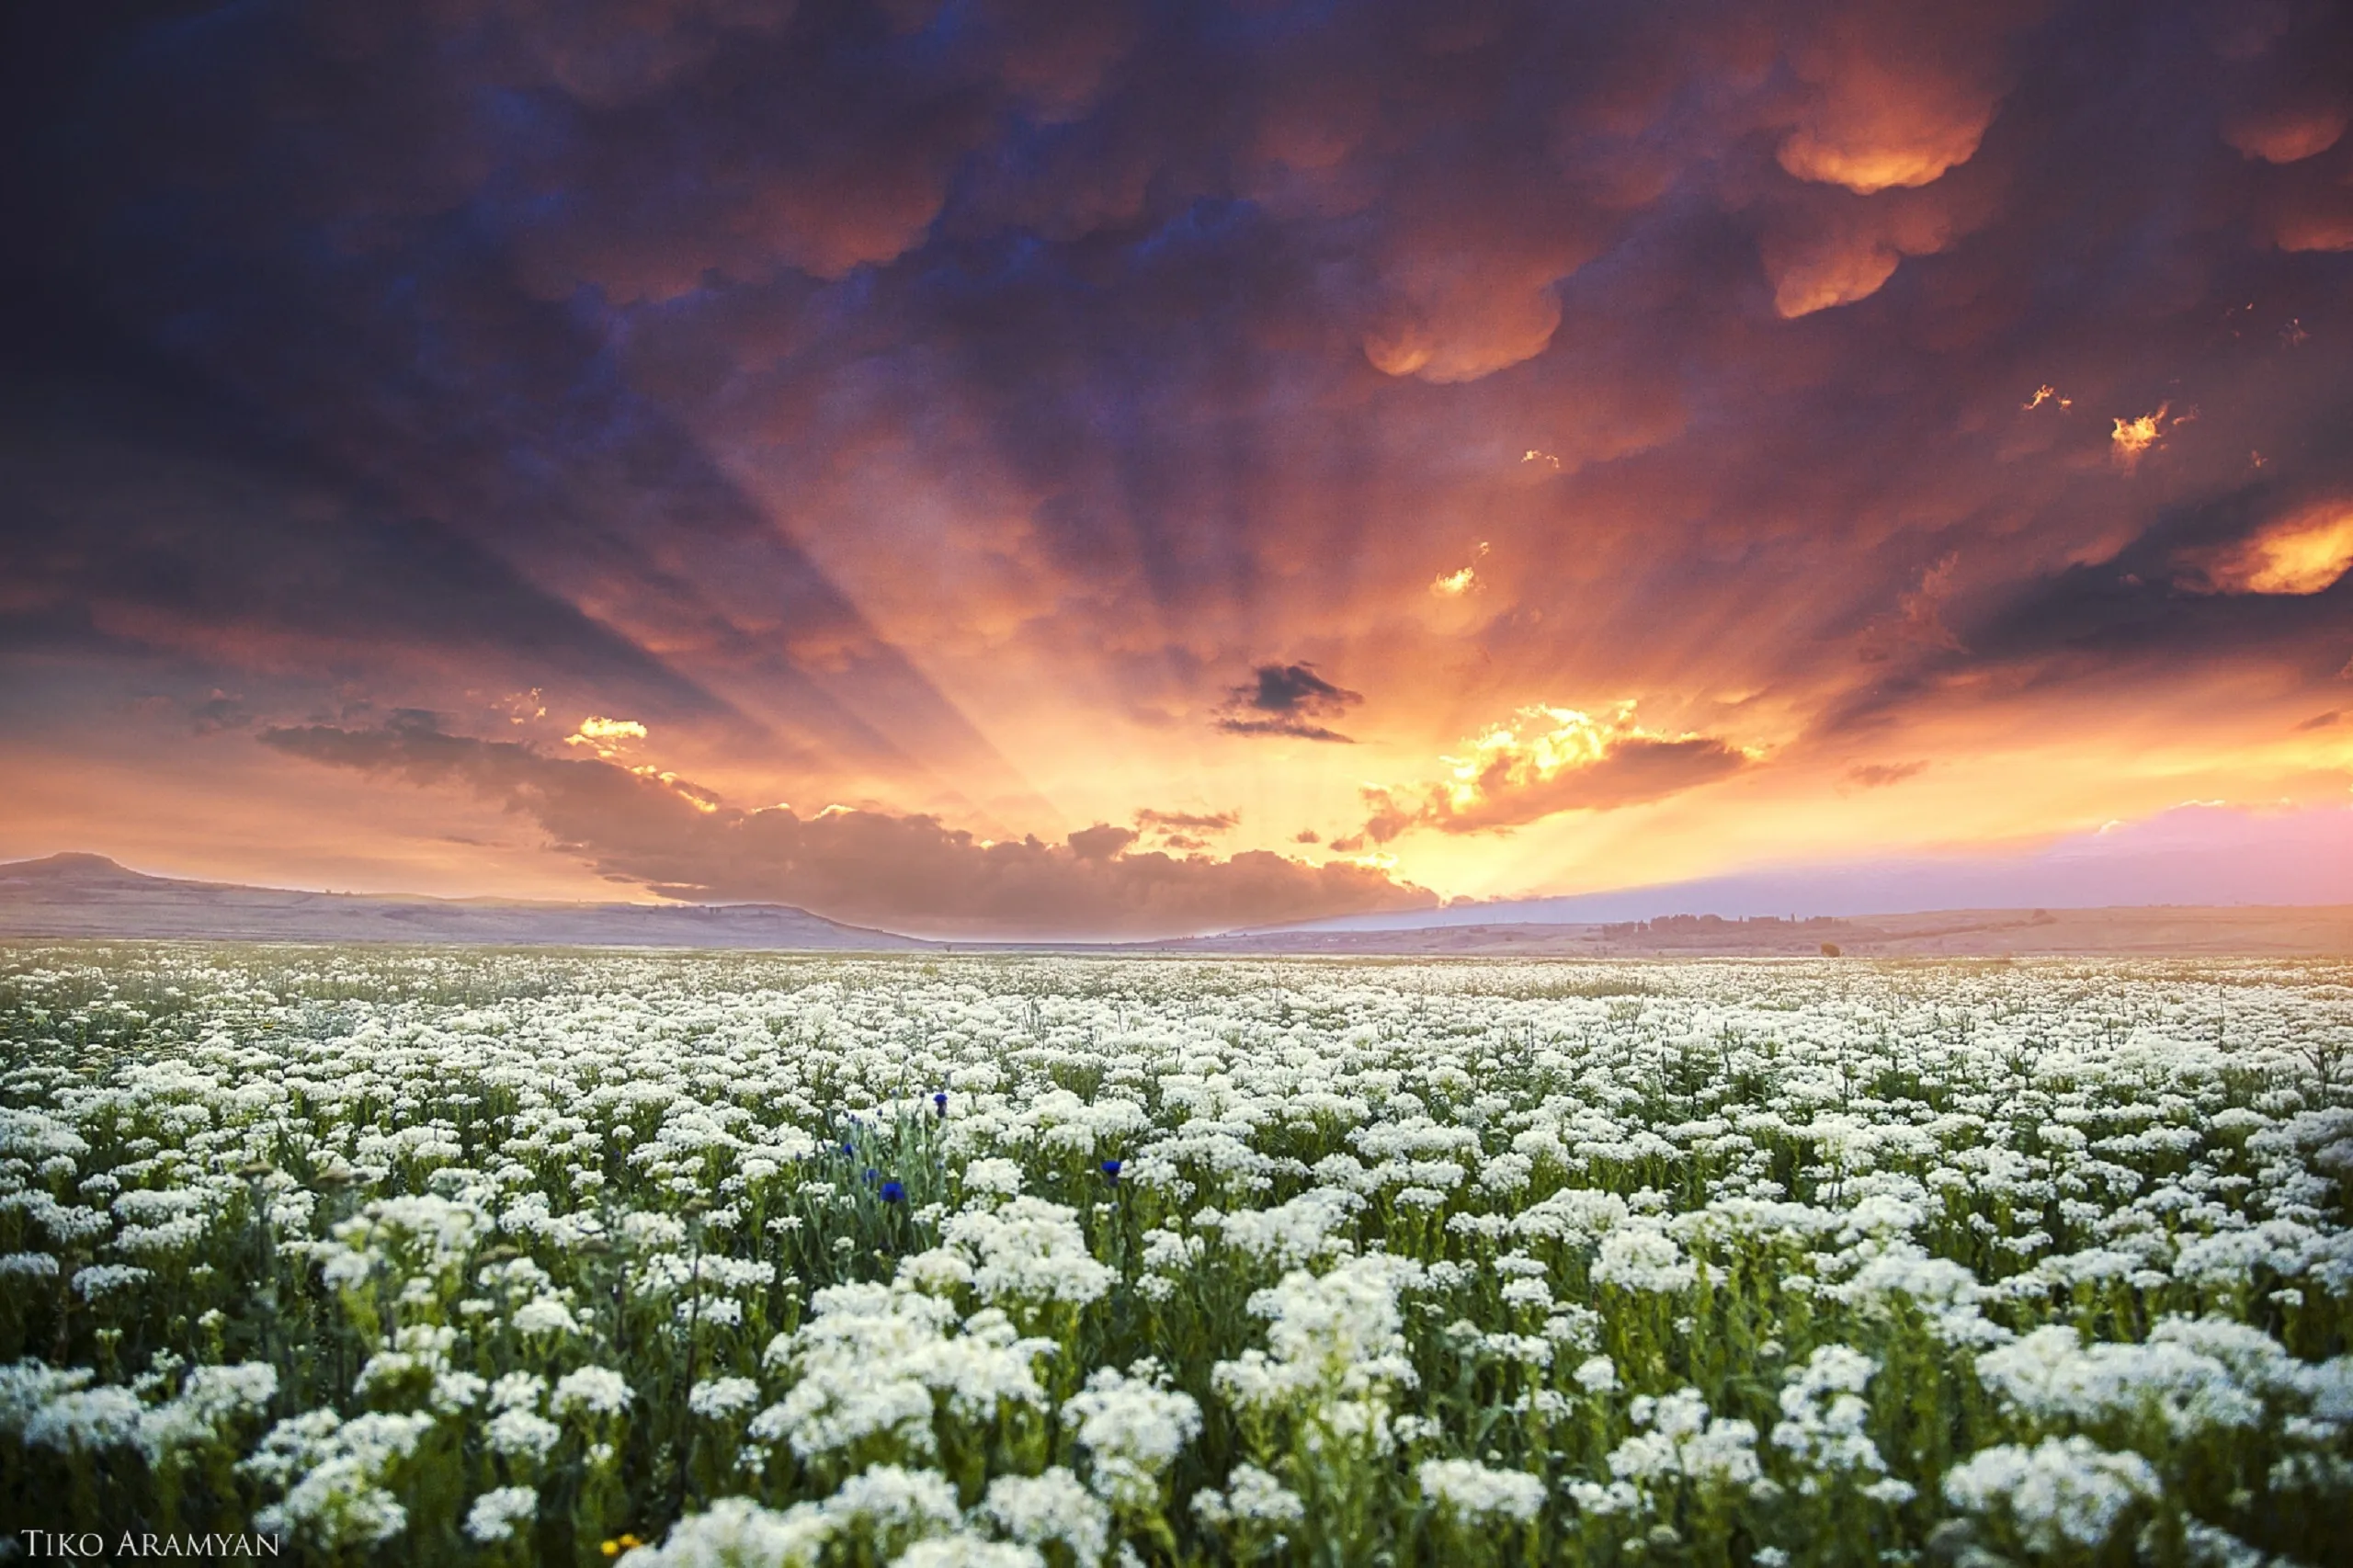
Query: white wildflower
x=1475 y=1495
x=2064 y=1492
x=496 y=1515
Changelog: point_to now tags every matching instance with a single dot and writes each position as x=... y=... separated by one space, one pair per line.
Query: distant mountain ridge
x=2143 y=931
x=90 y=895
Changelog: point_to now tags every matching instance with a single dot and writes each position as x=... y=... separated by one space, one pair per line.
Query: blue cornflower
x=941 y=1101
x=893 y=1193
x=1111 y=1170
x=848 y=1149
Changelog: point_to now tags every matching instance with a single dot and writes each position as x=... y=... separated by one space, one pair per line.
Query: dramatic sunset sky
x=1123 y=468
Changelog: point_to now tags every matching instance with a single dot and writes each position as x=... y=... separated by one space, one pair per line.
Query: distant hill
x=2252 y=931
x=89 y=895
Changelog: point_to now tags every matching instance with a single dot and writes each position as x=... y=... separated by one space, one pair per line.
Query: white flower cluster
x=1131 y=1426
x=2062 y=1491
x=1824 y=1424
x=868 y=1365
x=1475 y=1495
x=1021 y=1260
x=1683 y=1442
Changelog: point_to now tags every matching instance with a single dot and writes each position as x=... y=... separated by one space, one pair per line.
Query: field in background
x=427 y=1256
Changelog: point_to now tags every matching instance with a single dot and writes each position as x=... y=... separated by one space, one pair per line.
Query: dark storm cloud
x=1286 y=700
x=2181 y=596
x=903 y=873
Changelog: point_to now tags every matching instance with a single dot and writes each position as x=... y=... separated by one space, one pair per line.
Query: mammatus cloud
x=1286 y=700
x=1546 y=760
x=1894 y=98
x=1462 y=313
x=2289 y=131
x=905 y=873
x=1834 y=250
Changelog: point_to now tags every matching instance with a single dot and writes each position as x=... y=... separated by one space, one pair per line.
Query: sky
x=1001 y=468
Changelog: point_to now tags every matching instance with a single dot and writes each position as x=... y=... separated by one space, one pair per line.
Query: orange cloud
x=1877 y=156
x=1460 y=322
x=1547 y=760
x=605 y=738
x=2318 y=224
x=2303 y=554
x=2133 y=438
x=599 y=729
x=1465 y=296
x=905 y=872
x=1829 y=250
x=1807 y=278
x=2286 y=134
x=1888 y=110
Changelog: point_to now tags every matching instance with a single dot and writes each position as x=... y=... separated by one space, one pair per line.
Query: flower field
x=421 y=1256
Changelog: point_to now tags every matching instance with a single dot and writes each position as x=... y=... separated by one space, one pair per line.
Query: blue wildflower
x=872 y=1176
x=893 y=1193
x=940 y=1100
x=1111 y=1170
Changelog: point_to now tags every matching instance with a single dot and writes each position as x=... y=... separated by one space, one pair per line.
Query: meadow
x=437 y=1256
